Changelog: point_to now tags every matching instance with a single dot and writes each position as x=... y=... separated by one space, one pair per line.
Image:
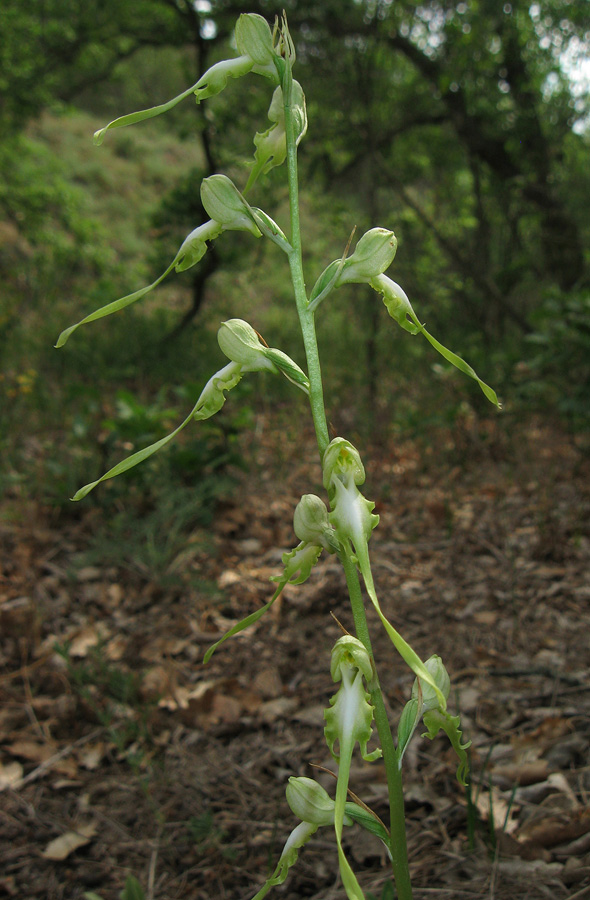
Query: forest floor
x=120 y=753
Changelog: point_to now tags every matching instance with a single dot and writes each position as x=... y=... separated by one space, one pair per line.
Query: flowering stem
x=306 y=317
x=397 y=825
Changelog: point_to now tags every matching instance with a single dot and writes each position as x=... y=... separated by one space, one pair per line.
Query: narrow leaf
x=141 y=115
x=113 y=307
x=132 y=890
x=242 y=625
x=210 y=83
x=210 y=402
x=458 y=362
x=131 y=461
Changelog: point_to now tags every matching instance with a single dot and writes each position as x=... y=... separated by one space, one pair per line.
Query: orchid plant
x=345 y=528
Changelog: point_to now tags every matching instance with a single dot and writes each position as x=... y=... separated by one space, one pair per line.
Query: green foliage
x=205 y=834
x=150 y=519
x=132 y=891
x=557 y=374
x=387 y=892
x=113 y=682
x=51 y=54
x=105 y=688
x=469 y=163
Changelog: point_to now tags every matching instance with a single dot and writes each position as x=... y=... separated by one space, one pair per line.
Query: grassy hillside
x=78 y=231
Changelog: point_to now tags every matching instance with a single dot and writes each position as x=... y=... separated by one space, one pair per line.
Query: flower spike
x=348 y=720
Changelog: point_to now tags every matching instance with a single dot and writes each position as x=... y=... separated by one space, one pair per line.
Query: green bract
x=373 y=254
x=424 y=698
x=240 y=342
x=288 y=367
x=441 y=678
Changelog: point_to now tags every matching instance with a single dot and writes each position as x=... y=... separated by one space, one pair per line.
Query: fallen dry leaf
x=86 y=638
x=554 y=830
x=92 y=755
x=10 y=775
x=32 y=750
x=61 y=847
x=494 y=806
x=525 y=773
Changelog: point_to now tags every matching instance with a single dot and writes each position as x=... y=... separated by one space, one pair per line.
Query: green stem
x=399 y=849
x=396 y=802
x=306 y=318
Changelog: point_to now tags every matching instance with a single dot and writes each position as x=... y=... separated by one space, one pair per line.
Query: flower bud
x=241 y=344
x=224 y=203
x=349 y=651
x=441 y=678
x=310 y=523
x=373 y=254
x=342 y=460
x=254 y=39
x=309 y=801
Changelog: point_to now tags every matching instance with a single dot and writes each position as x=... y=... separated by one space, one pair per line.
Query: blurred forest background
x=464 y=127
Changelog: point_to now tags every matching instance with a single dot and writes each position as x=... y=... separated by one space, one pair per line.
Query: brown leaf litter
x=129 y=756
